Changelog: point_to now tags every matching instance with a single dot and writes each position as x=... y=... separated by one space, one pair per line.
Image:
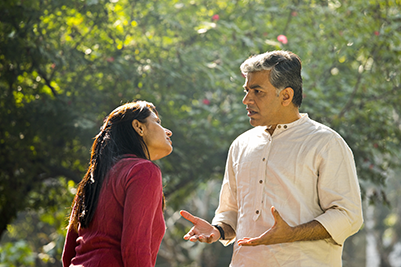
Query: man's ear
x=287 y=94
x=138 y=127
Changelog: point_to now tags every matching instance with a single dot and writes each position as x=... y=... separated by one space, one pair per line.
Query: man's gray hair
x=285 y=70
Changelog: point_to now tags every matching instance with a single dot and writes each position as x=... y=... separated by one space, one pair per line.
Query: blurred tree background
x=64 y=65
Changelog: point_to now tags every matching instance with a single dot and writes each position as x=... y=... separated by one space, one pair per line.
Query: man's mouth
x=251 y=112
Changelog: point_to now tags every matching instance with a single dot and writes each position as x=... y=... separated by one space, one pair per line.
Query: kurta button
x=264 y=159
x=260 y=181
x=279 y=126
x=285 y=126
x=257 y=211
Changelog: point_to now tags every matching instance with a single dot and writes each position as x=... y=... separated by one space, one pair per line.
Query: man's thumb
x=275 y=213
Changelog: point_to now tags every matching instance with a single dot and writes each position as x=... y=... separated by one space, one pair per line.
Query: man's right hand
x=202 y=230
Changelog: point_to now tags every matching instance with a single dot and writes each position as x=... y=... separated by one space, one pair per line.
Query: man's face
x=261 y=100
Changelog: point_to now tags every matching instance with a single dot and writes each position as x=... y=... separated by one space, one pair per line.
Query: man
x=290 y=194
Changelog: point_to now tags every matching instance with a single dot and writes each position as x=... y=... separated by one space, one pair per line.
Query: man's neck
x=270 y=129
x=294 y=117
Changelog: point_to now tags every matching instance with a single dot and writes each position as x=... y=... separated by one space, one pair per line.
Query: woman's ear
x=138 y=127
x=287 y=95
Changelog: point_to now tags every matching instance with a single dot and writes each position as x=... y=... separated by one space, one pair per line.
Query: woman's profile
x=117 y=215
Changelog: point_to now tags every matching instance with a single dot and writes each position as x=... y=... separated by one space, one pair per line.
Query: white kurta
x=307 y=171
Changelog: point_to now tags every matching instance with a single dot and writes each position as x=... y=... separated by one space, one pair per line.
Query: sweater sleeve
x=142 y=202
x=69 y=247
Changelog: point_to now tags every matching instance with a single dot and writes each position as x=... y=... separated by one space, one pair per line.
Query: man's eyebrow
x=254 y=86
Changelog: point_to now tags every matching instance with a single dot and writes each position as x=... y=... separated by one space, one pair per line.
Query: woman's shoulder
x=132 y=166
x=130 y=161
x=129 y=170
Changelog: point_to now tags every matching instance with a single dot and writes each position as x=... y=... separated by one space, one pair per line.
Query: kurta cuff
x=227 y=217
x=338 y=225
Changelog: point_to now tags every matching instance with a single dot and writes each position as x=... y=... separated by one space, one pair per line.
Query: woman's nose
x=168 y=132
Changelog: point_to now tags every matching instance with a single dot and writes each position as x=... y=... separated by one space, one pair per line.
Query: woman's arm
x=143 y=203
x=69 y=247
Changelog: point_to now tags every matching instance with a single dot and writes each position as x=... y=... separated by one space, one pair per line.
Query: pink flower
x=215 y=17
x=282 y=39
x=206 y=101
x=53 y=66
x=377 y=33
x=110 y=59
x=294 y=13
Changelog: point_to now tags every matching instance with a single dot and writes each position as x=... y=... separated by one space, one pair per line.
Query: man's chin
x=254 y=122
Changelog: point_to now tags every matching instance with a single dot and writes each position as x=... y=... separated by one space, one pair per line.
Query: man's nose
x=247 y=99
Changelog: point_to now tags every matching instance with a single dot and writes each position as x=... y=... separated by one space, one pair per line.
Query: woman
x=117 y=215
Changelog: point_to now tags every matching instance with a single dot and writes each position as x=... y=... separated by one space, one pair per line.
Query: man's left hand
x=280 y=232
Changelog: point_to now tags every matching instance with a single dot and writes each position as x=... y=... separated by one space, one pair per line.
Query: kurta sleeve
x=227 y=210
x=338 y=191
x=69 y=247
x=142 y=204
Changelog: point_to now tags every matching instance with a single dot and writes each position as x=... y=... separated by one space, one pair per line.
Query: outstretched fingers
x=267 y=237
x=193 y=236
x=202 y=231
x=247 y=241
x=188 y=216
x=190 y=234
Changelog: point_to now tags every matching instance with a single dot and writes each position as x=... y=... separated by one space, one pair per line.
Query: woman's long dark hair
x=117 y=138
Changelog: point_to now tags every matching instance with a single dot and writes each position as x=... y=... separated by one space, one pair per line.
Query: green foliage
x=16 y=254
x=42 y=226
x=64 y=65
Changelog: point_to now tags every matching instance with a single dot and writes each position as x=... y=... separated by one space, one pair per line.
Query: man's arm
x=229 y=232
x=338 y=191
x=281 y=232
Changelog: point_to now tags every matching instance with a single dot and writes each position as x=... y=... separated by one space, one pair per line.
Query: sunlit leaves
x=64 y=65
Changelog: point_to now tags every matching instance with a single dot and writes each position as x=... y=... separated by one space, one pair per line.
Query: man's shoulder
x=320 y=128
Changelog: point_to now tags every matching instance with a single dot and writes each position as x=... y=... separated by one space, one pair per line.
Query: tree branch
x=351 y=98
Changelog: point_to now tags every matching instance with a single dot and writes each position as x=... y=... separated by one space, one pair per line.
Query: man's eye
x=257 y=91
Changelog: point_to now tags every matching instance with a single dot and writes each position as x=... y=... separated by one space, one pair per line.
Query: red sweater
x=128 y=225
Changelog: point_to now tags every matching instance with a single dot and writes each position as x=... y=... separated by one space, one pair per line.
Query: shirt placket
x=261 y=179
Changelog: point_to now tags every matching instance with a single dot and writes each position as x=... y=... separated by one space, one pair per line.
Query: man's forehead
x=256 y=79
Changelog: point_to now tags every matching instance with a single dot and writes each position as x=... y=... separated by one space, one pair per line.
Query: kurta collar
x=285 y=127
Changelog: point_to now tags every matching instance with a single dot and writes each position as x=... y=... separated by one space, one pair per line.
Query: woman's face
x=156 y=138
